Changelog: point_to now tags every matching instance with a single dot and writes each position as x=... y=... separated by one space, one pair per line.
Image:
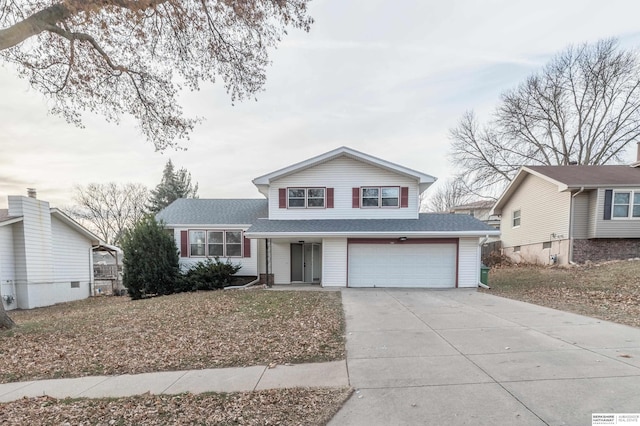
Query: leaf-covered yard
x=271 y=407
x=114 y=335
x=610 y=290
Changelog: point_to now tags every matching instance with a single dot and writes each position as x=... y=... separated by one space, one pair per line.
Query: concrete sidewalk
x=327 y=374
x=461 y=357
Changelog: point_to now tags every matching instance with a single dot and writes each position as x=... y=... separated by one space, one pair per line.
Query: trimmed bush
x=209 y=275
x=150 y=260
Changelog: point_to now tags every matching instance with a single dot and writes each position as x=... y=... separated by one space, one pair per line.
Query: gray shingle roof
x=590 y=176
x=190 y=211
x=427 y=222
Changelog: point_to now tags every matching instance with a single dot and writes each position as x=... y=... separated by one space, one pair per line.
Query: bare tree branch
x=583 y=107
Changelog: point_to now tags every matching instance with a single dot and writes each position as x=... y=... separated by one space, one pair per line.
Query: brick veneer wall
x=605 y=249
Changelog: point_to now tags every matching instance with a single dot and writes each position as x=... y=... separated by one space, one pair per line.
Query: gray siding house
x=565 y=214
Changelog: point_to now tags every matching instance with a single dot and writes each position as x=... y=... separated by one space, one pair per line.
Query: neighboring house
x=45 y=256
x=340 y=219
x=565 y=214
x=481 y=210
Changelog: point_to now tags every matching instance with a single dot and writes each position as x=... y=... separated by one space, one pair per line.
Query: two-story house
x=565 y=214
x=343 y=218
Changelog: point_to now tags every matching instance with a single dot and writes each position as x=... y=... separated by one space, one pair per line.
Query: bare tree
x=583 y=107
x=134 y=56
x=448 y=194
x=109 y=209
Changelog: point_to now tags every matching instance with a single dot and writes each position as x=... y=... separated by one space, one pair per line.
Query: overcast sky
x=388 y=78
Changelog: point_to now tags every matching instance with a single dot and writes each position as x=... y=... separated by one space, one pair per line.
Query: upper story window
x=515 y=219
x=306 y=198
x=215 y=243
x=626 y=204
x=383 y=196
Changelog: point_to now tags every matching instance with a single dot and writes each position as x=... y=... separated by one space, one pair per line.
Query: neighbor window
x=384 y=196
x=218 y=243
x=515 y=222
x=626 y=204
x=306 y=197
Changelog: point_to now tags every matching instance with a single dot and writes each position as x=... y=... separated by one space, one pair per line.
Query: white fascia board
x=11 y=221
x=459 y=234
x=207 y=226
x=266 y=179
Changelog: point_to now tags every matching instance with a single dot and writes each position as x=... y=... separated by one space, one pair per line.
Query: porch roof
x=428 y=224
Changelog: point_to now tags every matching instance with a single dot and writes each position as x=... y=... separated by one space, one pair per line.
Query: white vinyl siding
x=402 y=265
x=7 y=270
x=343 y=174
x=614 y=228
x=249 y=265
x=281 y=261
x=469 y=262
x=538 y=220
x=334 y=262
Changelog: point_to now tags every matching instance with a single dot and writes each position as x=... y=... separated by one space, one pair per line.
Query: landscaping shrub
x=150 y=260
x=209 y=275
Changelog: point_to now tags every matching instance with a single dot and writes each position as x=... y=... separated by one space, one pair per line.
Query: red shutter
x=184 y=243
x=404 y=196
x=282 y=198
x=355 y=198
x=329 y=198
x=247 y=247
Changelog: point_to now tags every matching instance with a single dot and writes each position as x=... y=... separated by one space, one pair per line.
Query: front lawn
x=114 y=335
x=270 y=407
x=610 y=290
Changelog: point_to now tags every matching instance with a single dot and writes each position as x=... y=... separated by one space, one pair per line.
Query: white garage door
x=402 y=265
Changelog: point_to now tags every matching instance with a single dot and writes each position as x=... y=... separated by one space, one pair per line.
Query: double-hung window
x=309 y=198
x=384 y=196
x=218 y=243
x=515 y=219
x=626 y=204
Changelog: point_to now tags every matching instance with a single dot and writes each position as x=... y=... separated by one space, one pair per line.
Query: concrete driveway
x=460 y=357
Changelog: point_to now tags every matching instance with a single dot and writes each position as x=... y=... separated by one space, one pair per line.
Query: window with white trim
x=219 y=243
x=306 y=198
x=515 y=219
x=382 y=196
x=625 y=205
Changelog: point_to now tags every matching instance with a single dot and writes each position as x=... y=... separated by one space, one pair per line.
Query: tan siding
x=614 y=228
x=593 y=213
x=544 y=211
x=334 y=262
x=581 y=215
x=468 y=262
x=343 y=174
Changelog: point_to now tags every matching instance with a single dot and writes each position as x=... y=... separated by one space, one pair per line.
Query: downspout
x=266 y=253
x=91 y=279
x=484 y=240
x=571 y=209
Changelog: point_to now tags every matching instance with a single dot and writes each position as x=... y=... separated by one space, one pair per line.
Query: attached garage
x=393 y=263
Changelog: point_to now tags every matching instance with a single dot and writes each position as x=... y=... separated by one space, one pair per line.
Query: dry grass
x=114 y=335
x=610 y=290
x=282 y=406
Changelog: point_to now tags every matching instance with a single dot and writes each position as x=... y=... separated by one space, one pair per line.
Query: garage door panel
x=402 y=265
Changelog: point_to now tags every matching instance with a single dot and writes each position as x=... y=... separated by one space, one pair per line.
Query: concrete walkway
x=327 y=374
x=462 y=357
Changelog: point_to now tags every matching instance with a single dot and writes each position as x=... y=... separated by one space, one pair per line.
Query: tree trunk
x=5 y=321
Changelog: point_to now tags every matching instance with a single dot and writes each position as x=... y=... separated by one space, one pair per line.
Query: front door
x=306 y=262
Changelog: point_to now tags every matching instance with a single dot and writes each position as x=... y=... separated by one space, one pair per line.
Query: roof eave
x=379 y=234
x=11 y=221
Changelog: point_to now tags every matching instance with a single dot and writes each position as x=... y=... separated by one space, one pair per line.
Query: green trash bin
x=484 y=274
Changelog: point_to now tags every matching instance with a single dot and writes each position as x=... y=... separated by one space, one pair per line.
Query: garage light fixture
x=402 y=238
